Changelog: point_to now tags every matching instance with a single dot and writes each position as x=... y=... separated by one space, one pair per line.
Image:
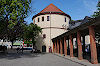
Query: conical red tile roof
x=51 y=8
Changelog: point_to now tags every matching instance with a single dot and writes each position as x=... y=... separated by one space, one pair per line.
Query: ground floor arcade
x=63 y=44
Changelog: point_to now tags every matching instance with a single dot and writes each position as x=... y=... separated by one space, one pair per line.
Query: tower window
x=38 y=19
x=65 y=19
x=42 y=18
x=48 y=18
x=44 y=36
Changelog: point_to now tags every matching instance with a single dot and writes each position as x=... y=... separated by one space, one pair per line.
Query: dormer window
x=38 y=19
x=65 y=19
x=43 y=18
x=48 y=18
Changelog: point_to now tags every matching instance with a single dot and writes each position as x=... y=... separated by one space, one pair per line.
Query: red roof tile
x=51 y=8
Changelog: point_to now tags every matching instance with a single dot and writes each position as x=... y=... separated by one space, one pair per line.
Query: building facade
x=87 y=28
x=76 y=23
x=53 y=22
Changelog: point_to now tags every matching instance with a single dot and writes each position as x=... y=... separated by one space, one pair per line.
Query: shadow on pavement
x=71 y=60
x=88 y=57
x=10 y=55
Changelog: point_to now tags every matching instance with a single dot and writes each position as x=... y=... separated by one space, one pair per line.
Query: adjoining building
x=73 y=24
x=79 y=30
x=53 y=22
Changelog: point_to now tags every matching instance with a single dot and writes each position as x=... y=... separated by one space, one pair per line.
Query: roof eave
x=51 y=13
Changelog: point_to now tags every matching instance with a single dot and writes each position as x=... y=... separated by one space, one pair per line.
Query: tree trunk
x=33 y=42
x=12 y=45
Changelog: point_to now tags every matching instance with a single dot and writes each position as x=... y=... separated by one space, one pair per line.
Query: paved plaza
x=41 y=59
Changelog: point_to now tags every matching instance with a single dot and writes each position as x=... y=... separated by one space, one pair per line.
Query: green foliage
x=12 y=14
x=97 y=13
x=27 y=42
x=2 y=28
x=32 y=31
x=14 y=11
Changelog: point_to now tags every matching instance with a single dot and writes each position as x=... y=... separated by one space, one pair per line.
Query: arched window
x=43 y=18
x=38 y=19
x=44 y=36
x=48 y=18
x=65 y=19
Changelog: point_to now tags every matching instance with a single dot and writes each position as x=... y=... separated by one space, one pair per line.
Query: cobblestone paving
x=28 y=59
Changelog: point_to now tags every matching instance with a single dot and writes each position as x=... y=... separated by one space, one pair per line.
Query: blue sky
x=77 y=9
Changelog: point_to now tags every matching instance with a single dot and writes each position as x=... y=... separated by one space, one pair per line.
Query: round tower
x=53 y=22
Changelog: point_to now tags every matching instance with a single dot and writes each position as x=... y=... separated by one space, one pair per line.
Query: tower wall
x=51 y=29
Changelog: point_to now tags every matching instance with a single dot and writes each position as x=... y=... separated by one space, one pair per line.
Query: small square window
x=48 y=18
x=42 y=18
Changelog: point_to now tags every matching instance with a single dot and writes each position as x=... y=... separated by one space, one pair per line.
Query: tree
x=16 y=33
x=32 y=32
x=12 y=14
x=2 y=28
x=14 y=11
x=97 y=13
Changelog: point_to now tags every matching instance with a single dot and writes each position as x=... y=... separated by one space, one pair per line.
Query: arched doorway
x=43 y=48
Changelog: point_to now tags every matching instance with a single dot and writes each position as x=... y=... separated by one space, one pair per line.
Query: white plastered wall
x=56 y=21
